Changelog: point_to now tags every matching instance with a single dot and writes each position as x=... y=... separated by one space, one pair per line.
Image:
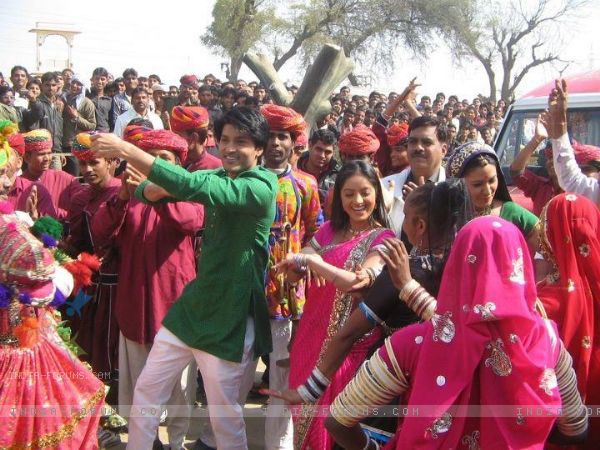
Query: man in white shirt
x=569 y=174
x=426 y=149
x=140 y=103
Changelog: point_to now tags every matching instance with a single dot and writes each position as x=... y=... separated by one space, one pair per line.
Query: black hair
x=100 y=72
x=15 y=68
x=483 y=160
x=247 y=121
x=142 y=79
x=339 y=218
x=425 y=97
x=119 y=80
x=5 y=89
x=49 y=76
x=251 y=101
x=446 y=207
x=130 y=71
x=225 y=92
x=204 y=88
x=153 y=75
x=426 y=121
x=140 y=121
x=325 y=136
x=138 y=90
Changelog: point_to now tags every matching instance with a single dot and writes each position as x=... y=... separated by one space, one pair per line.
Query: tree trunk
x=352 y=78
x=268 y=76
x=235 y=66
x=329 y=68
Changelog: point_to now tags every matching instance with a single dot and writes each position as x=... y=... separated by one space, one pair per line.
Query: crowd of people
x=375 y=259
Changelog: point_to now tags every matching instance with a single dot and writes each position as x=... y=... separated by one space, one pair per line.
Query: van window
x=583 y=126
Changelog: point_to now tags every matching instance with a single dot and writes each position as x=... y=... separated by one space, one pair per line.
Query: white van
x=519 y=123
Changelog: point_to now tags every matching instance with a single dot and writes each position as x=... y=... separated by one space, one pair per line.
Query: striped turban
x=396 y=134
x=81 y=147
x=147 y=139
x=358 y=142
x=38 y=140
x=184 y=118
x=281 y=118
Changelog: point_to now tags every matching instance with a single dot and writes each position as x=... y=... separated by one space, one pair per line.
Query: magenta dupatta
x=325 y=312
x=486 y=346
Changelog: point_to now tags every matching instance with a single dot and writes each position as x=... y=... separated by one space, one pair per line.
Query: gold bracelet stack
x=574 y=420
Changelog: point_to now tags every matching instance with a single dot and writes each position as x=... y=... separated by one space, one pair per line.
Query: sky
x=164 y=38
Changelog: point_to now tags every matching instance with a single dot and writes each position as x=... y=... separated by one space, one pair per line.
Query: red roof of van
x=577 y=84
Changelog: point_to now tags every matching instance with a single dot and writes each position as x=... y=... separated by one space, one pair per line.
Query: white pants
x=132 y=358
x=278 y=423
x=222 y=383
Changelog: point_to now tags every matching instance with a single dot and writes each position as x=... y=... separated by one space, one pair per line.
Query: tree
x=368 y=30
x=236 y=28
x=510 y=37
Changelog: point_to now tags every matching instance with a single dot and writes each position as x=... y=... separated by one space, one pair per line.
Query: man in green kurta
x=221 y=319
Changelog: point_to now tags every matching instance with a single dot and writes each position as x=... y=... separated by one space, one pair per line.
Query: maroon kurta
x=95 y=323
x=205 y=162
x=20 y=191
x=156 y=259
x=62 y=187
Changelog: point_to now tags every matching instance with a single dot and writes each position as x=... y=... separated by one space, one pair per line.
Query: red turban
x=360 y=141
x=396 y=134
x=281 y=118
x=81 y=147
x=189 y=80
x=17 y=143
x=148 y=139
x=301 y=140
x=586 y=154
x=185 y=118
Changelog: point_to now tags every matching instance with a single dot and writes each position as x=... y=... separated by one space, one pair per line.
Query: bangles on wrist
x=300 y=262
x=314 y=386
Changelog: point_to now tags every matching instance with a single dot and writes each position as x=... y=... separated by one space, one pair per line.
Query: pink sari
x=486 y=358
x=325 y=313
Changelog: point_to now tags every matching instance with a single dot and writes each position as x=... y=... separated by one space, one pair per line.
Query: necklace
x=355 y=233
x=484 y=212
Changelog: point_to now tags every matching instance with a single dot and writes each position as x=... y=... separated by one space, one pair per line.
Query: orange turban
x=396 y=134
x=360 y=141
x=148 y=139
x=281 y=118
x=185 y=118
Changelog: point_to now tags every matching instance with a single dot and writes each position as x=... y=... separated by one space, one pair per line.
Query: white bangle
x=408 y=288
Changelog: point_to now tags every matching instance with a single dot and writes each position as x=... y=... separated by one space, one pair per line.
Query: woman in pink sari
x=479 y=366
x=343 y=254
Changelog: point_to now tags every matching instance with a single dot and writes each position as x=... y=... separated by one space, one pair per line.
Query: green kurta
x=212 y=311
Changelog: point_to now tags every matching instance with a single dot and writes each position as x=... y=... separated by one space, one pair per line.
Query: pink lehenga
x=48 y=398
x=325 y=313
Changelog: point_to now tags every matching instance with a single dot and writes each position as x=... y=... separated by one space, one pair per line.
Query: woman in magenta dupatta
x=571 y=294
x=483 y=359
x=342 y=253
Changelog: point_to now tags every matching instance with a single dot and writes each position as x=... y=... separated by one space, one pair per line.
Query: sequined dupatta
x=486 y=347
